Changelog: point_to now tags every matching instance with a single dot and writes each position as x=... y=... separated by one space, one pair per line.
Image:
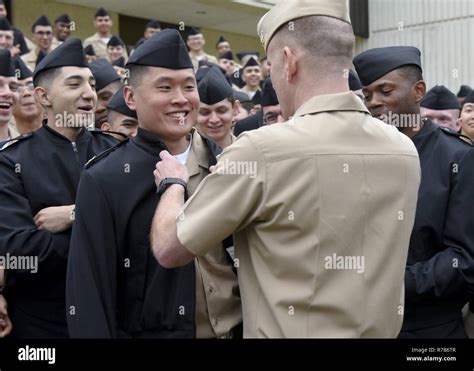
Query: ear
x=105 y=126
x=236 y=107
x=290 y=63
x=129 y=96
x=458 y=123
x=41 y=95
x=419 y=90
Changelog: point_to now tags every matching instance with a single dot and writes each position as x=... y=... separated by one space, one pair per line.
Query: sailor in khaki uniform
x=103 y=24
x=43 y=39
x=321 y=206
x=196 y=44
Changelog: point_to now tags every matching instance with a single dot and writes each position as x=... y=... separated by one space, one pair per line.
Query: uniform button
x=210 y=289
x=216 y=321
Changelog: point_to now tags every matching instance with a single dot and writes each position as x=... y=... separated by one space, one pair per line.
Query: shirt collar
x=150 y=142
x=346 y=101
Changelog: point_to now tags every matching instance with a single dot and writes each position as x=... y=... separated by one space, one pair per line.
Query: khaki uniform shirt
x=207 y=57
x=100 y=48
x=30 y=58
x=248 y=92
x=218 y=307
x=55 y=43
x=13 y=131
x=322 y=209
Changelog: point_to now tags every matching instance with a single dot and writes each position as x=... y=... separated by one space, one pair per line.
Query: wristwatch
x=165 y=183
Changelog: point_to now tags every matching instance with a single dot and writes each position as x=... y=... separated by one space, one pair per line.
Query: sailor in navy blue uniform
x=439 y=278
x=39 y=173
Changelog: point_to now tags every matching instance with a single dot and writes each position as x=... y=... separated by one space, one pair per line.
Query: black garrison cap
x=104 y=73
x=5 y=25
x=257 y=98
x=227 y=55
x=102 y=13
x=63 y=18
x=375 y=63
x=241 y=96
x=22 y=71
x=242 y=54
x=250 y=63
x=203 y=64
x=269 y=97
x=194 y=31
x=469 y=98
x=153 y=24
x=354 y=82
x=439 y=98
x=213 y=87
x=220 y=40
x=41 y=21
x=69 y=53
x=115 y=41
x=7 y=68
x=164 y=49
x=117 y=104
x=89 y=50
x=464 y=91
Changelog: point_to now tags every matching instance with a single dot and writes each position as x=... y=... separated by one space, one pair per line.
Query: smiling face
x=252 y=76
x=467 y=120
x=71 y=92
x=27 y=108
x=196 y=43
x=115 y=52
x=393 y=93
x=103 y=24
x=215 y=121
x=6 y=39
x=62 y=30
x=166 y=101
x=43 y=37
x=8 y=98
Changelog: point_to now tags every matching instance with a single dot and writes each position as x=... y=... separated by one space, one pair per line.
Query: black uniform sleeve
x=91 y=271
x=450 y=272
x=19 y=235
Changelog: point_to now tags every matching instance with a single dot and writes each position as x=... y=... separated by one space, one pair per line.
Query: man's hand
x=55 y=219
x=169 y=167
x=5 y=323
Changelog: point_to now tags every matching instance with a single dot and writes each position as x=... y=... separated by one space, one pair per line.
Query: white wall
x=442 y=29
